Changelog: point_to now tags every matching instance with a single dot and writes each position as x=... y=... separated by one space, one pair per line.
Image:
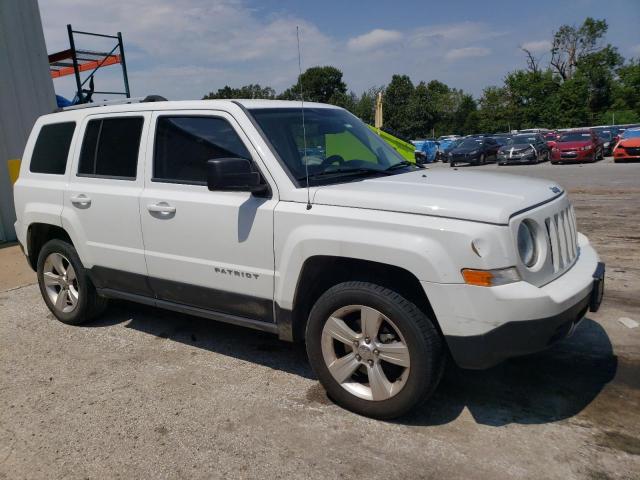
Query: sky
x=183 y=49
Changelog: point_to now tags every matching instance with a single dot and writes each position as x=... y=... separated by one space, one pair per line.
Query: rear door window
x=110 y=148
x=52 y=148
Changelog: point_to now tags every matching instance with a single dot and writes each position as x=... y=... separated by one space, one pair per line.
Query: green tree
x=570 y=44
x=397 y=98
x=319 y=84
x=247 y=91
x=495 y=111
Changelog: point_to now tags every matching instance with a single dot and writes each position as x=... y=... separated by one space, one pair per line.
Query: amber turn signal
x=490 y=278
x=481 y=278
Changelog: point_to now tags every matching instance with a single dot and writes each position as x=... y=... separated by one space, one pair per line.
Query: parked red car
x=551 y=138
x=577 y=146
x=628 y=148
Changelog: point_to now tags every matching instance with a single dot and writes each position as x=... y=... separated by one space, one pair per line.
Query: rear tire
x=65 y=286
x=374 y=352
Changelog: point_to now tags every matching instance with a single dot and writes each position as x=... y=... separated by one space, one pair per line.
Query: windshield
x=522 y=139
x=575 y=137
x=631 y=134
x=502 y=140
x=471 y=143
x=604 y=134
x=336 y=142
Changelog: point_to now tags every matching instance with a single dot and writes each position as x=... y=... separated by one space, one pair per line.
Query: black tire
x=424 y=344
x=89 y=304
x=452 y=164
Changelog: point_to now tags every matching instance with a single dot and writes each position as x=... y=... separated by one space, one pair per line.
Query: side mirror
x=233 y=175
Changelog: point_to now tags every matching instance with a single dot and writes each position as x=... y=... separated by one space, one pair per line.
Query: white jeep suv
x=308 y=226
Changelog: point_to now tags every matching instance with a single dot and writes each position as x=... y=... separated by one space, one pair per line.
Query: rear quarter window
x=51 y=150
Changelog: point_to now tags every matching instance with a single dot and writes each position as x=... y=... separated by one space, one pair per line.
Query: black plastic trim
x=134 y=283
x=190 y=310
x=237 y=304
x=284 y=320
x=190 y=296
x=515 y=338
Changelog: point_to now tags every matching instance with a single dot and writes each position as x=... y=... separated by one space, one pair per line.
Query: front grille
x=632 y=150
x=563 y=238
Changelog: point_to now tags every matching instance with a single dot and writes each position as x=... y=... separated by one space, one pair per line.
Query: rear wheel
x=65 y=285
x=374 y=352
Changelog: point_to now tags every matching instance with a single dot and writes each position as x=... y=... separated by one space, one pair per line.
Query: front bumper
x=506 y=160
x=464 y=158
x=483 y=326
x=577 y=156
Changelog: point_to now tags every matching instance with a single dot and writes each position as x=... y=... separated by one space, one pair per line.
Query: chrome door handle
x=162 y=207
x=80 y=200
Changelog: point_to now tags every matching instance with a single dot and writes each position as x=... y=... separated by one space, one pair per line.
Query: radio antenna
x=304 y=130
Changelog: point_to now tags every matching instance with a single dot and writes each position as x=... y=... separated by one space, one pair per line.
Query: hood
x=467 y=195
x=575 y=144
x=515 y=146
x=630 y=142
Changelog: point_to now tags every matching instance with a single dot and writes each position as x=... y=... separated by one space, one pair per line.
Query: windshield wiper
x=403 y=164
x=344 y=172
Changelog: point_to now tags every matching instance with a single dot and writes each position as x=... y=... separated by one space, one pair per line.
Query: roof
x=138 y=106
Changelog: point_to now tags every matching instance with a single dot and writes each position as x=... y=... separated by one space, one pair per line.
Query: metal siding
x=26 y=91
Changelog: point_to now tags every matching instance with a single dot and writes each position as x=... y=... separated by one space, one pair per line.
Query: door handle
x=80 y=200
x=162 y=208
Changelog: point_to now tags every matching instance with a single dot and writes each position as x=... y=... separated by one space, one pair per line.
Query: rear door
x=207 y=249
x=101 y=203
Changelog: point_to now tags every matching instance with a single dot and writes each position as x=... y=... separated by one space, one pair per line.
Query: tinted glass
x=336 y=143
x=631 y=134
x=184 y=144
x=52 y=148
x=471 y=143
x=110 y=147
x=575 y=137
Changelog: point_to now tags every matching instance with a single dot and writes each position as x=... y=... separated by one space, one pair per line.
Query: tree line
x=584 y=82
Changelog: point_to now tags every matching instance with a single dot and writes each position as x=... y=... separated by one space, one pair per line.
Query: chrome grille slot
x=563 y=238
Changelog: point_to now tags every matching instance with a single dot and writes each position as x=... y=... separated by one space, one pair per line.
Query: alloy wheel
x=61 y=283
x=365 y=352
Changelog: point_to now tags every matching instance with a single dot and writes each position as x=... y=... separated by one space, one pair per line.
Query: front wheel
x=65 y=285
x=375 y=352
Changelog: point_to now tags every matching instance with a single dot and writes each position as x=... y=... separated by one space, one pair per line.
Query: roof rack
x=147 y=99
x=73 y=61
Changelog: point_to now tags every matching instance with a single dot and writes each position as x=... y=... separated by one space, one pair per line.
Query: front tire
x=374 y=352
x=65 y=285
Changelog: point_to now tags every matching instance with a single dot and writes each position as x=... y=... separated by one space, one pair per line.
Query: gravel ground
x=144 y=393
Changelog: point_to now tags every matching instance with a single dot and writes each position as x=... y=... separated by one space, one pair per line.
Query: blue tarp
x=63 y=102
x=428 y=147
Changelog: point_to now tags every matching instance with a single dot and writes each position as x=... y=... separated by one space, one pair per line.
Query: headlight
x=526 y=244
x=474 y=152
x=587 y=147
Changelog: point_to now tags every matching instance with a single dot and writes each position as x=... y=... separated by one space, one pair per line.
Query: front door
x=207 y=249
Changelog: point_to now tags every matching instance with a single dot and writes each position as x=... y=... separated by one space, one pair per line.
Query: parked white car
x=238 y=212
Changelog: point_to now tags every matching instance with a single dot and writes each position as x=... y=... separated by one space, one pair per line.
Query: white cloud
x=466 y=52
x=187 y=48
x=373 y=39
x=537 y=46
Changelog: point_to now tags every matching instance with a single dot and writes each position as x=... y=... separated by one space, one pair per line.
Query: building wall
x=26 y=91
